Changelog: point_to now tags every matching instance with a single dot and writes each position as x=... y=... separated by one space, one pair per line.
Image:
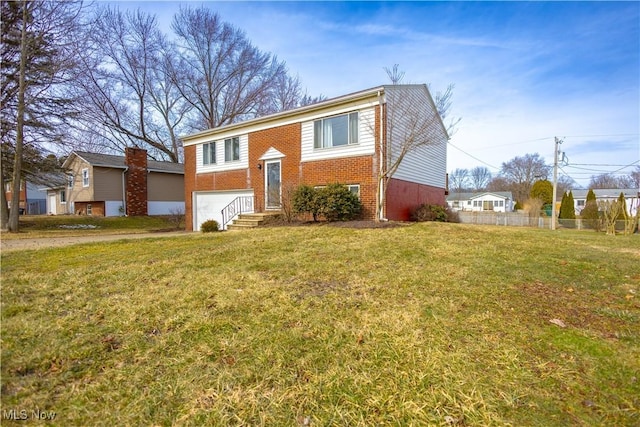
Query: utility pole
x=556 y=151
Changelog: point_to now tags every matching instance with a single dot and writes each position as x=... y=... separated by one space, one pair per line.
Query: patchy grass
x=38 y=226
x=427 y=324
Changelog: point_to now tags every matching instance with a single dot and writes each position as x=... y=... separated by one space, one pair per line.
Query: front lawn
x=41 y=226
x=425 y=324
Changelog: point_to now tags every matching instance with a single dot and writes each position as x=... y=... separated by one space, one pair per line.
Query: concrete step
x=249 y=220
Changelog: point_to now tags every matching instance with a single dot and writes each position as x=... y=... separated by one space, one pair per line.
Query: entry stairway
x=250 y=220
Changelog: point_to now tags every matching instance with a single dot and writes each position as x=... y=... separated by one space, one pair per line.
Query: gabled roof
x=470 y=196
x=117 y=162
x=333 y=102
x=607 y=193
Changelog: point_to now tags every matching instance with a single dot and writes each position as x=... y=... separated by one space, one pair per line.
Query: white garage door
x=208 y=205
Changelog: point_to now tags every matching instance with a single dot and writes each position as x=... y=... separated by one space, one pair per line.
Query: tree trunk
x=4 y=211
x=17 y=162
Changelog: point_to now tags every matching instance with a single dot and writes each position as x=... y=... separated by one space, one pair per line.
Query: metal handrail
x=236 y=207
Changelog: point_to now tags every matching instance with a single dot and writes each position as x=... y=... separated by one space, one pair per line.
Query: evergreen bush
x=209 y=226
x=338 y=203
x=427 y=212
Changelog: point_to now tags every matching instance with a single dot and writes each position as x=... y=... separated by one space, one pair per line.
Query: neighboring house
x=107 y=185
x=498 y=201
x=340 y=140
x=631 y=195
x=32 y=197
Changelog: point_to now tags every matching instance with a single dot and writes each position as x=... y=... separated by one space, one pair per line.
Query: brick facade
x=284 y=133
x=136 y=181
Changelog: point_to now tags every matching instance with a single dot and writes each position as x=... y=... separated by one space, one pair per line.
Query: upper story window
x=70 y=181
x=209 y=153
x=232 y=149
x=85 y=177
x=335 y=131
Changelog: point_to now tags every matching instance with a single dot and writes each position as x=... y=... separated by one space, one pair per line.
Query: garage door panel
x=208 y=205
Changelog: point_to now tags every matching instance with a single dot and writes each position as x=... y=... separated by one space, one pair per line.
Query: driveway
x=51 y=242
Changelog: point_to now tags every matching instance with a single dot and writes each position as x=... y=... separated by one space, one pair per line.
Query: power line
x=473 y=157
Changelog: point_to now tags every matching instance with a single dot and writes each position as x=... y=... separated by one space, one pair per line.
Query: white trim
x=271 y=154
x=266 y=184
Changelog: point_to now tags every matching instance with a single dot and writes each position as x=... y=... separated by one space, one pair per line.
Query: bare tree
x=37 y=55
x=635 y=177
x=608 y=180
x=479 y=177
x=459 y=180
x=413 y=125
x=127 y=88
x=394 y=74
x=220 y=73
x=522 y=172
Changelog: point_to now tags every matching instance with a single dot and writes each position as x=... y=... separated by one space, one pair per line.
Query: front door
x=272 y=184
x=52 y=204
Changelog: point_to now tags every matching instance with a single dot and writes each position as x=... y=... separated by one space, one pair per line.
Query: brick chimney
x=136 y=181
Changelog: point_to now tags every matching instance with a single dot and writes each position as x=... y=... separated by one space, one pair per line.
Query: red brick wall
x=404 y=196
x=352 y=170
x=136 y=181
x=286 y=139
x=97 y=208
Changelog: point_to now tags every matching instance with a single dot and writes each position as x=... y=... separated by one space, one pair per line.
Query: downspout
x=124 y=191
x=382 y=168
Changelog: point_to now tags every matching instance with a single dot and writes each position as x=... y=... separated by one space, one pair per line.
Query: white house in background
x=631 y=195
x=497 y=201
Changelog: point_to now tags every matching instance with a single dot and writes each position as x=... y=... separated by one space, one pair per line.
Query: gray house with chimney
x=107 y=185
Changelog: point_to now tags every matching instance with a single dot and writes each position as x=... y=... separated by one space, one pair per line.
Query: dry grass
x=428 y=324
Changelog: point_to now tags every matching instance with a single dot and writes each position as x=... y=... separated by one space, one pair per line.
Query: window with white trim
x=85 y=177
x=336 y=131
x=209 y=153
x=89 y=209
x=70 y=181
x=63 y=196
x=232 y=149
x=355 y=189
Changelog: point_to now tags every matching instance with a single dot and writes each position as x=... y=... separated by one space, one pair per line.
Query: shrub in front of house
x=209 y=226
x=337 y=203
x=305 y=200
x=427 y=212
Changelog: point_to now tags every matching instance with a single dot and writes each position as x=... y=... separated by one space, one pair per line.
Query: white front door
x=272 y=181
x=52 y=204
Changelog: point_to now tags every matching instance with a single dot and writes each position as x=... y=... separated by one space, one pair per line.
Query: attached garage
x=209 y=205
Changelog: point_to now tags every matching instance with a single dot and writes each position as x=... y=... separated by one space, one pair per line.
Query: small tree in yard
x=610 y=212
x=591 y=215
x=567 y=210
x=410 y=126
x=305 y=200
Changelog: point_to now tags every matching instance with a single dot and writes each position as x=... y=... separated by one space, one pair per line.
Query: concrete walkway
x=7 y=245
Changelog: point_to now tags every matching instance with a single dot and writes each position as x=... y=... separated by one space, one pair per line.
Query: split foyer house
x=349 y=140
x=108 y=185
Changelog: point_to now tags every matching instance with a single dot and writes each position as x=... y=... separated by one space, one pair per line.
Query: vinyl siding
x=165 y=187
x=220 y=164
x=365 y=145
x=425 y=164
x=107 y=183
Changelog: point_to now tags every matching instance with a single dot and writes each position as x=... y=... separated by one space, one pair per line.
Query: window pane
x=317 y=134
x=236 y=148
x=353 y=128
x=336 y=131
x=205 y=154
x=228 y=150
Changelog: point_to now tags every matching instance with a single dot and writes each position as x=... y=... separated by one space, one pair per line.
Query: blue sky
x=524 y=72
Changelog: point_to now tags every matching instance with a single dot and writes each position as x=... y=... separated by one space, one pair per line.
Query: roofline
x=104 y=165
x=355 y=96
